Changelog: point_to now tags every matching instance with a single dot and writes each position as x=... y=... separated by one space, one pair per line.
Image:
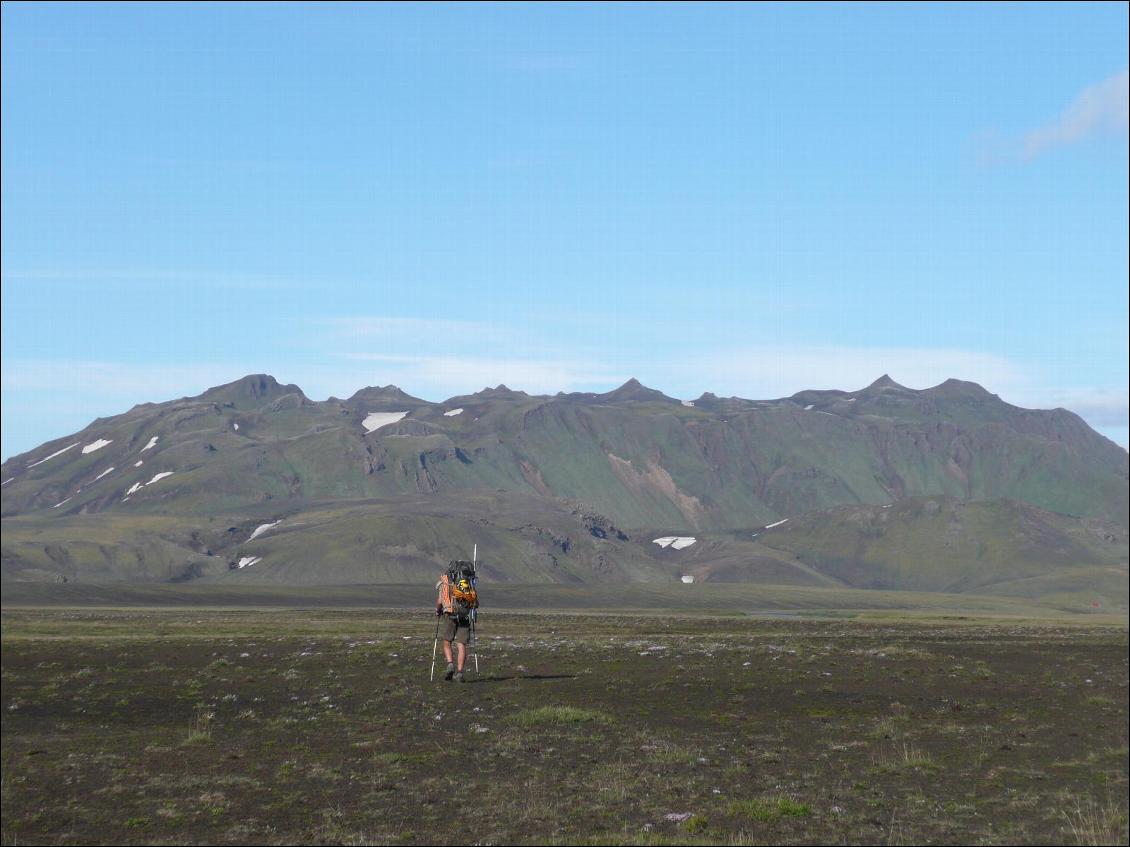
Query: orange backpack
x=457 y=592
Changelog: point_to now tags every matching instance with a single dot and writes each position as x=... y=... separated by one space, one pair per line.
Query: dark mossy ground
x=271 y=726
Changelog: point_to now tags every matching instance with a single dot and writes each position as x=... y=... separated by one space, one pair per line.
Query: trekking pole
x=475 y=638
x=435 y=647
x=475 y=612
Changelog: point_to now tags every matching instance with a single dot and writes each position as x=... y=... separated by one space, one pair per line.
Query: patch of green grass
x=558 y=716
x=901 y=757
x=1096 y=822
x=768 y=811
x=200 y=729
x=1100 y=700
x=673 y=754
x=696 y=824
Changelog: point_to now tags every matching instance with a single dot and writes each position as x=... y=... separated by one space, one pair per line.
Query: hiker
x=456 y=607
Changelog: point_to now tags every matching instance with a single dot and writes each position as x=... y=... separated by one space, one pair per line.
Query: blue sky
x=747 y=200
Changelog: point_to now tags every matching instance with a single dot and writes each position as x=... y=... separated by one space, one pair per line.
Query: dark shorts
x=455 y=630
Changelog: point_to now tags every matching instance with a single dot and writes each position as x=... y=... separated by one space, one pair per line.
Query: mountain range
x=944 y=489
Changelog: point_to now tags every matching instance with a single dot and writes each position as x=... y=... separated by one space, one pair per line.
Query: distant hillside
x=174 y=490
x=946 y=545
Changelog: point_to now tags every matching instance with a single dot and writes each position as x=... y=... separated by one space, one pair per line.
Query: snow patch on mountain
x=375 y=420
x=57 y=505
x=96 y=445
x=452 y=413
x=259 y=530
x=137 y=486
x=778 y=523
x=248 y=561
x=675 y=542
x=152 y=443
x=108 y=470
x=52 y=456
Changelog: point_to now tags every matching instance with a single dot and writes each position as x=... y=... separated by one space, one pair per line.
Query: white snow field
x=675 y=542
x=159 y=476
x=452 y=413
x=248 y=561
x=108 y=470
x=778 y=523
x=152 y=443
x=687 y=403
x=96 y=445
x=375 y=420
x=52 y=456
x=139 y=463
x=259 y=530
x=5 y=482
x=687 y=579
x=235 y=426
x=57 y=505
x=134 y=488
x=809 y=407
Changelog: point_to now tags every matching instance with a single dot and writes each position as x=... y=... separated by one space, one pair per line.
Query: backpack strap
x=445 y=595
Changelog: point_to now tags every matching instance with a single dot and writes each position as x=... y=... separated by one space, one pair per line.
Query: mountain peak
x=499 y=391
x=960 y=388
x=884 y=381
x=633 y=390
x=881 y=385
x=372 y=396
x=388 y=390
x=250 y=391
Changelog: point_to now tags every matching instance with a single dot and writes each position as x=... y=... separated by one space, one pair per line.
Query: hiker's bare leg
x=461 y=650
x=447 y=650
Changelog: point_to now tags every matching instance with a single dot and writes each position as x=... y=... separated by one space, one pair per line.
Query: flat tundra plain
x=192 y=726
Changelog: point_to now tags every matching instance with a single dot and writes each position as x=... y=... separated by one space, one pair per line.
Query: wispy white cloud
x=1099 y=108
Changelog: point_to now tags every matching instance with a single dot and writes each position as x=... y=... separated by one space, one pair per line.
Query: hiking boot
x=459 y=677
x=450 y=672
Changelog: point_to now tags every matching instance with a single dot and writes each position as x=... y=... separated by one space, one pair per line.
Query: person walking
x=455 y=607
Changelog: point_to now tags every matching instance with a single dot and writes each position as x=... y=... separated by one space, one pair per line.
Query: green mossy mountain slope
x=165 y=490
